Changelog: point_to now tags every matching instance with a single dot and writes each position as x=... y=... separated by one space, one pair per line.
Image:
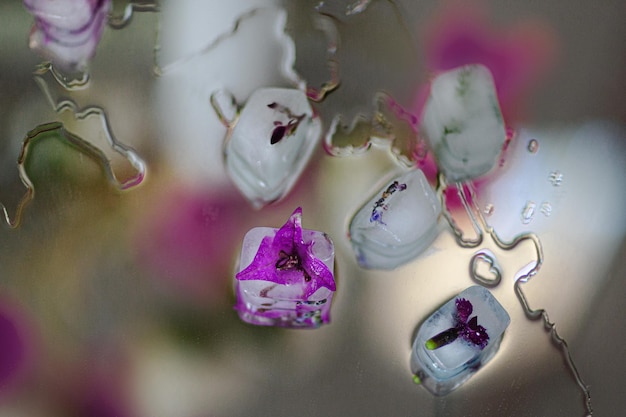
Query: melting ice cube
x=285 y=279
x=443 y=369
x=397 y=224
x=463 y=123
x=270 y=144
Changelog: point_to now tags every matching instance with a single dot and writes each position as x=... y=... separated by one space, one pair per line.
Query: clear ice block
x=443 y=369
x=270 y=143
x=397 y=224
x=287 y=287
x=462 y=122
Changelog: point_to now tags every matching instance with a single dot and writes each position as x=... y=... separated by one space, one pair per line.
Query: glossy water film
x=356 y=112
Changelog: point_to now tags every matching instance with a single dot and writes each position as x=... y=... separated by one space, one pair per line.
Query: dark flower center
x=291 y=261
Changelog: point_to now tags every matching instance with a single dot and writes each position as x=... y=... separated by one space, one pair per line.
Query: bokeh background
x=119 y=303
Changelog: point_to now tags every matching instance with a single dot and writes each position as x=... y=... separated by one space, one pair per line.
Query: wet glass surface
x=122 y=229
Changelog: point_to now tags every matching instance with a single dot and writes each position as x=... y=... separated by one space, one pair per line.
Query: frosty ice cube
x=397 y=224
x=285 y=276
x=462 y=122
x=270 y=144
x=457 y=340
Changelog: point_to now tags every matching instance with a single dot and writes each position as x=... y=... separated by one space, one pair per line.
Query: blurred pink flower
x=102 y=396
x=517 y=56
x=188 y=241
x=16 y=344
x=67 y=32
x=97 y=384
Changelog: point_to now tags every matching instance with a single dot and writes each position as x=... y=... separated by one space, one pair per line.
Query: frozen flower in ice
x=67 y=32
x=380 y=205
x=285 y=276
x=286 y=259
x=464 y=309
x=280 y=131
x=468 y=330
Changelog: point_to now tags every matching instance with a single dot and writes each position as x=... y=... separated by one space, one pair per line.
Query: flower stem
x=444 y=338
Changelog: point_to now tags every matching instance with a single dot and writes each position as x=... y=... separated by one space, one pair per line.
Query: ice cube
x=462 y=122
x=276 y=293
x=270 y=144
x=397 y=224
x=443 y=369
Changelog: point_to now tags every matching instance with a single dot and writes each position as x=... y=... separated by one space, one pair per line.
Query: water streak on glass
x=391 y=125
x=226 y=108
x=71 y=82
x=343 y=8
x=118 y=19
x=461 y=239
x=316 y=40
x=216 y=63
x=357 y=102
x=531 y=313
x=90 y=125
x=56 y=131
x=541 y=313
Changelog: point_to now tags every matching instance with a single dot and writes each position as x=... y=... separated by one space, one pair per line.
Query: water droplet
x=488 y=210
x=357 y=7
x=528 y=212
x=546 y=209
x=555 y=178
x=533 y=146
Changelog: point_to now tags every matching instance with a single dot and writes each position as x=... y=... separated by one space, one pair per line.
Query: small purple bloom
x=381 y=203
x=280 y=131
x=67 y=32
x=286 y=259
x=474 y=333
x=470 y=331
x=463 y=309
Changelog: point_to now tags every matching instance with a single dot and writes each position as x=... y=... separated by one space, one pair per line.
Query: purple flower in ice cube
x=464 y=309
x=286 y=259
x=67 y=32
x=465 y=327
